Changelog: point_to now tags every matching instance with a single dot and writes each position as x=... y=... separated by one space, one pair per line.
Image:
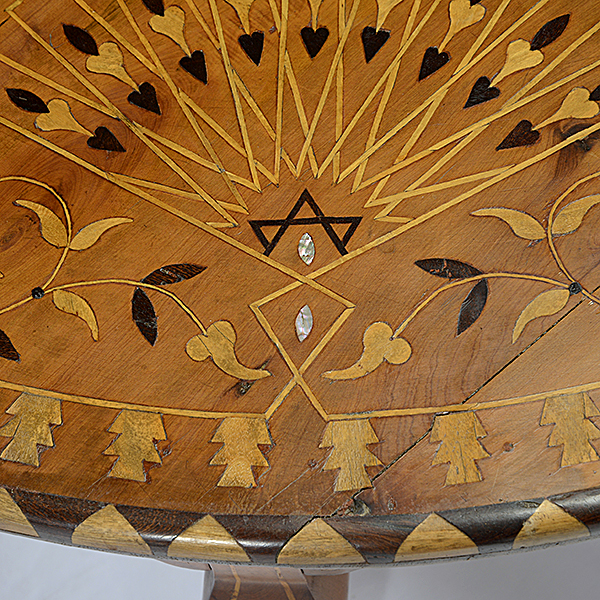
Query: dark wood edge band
x=338 y=540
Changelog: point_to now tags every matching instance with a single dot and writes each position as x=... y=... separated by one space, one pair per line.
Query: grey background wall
x=35 y=570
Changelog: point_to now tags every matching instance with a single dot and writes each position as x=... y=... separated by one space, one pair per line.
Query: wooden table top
x=308 y=282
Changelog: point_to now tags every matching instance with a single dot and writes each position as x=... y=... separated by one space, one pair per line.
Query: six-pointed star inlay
x=318 y=219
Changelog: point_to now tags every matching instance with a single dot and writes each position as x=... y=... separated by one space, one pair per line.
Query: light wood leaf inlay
x=522 y=224
x=519 y=56
x=571 y=216
x=110 y=62
x=59 y=118
x=462 y=15
x=73 y=304
x=546 y=304
x=577 y=105
x=90 y=234
x=172 y=24
x=52 y=228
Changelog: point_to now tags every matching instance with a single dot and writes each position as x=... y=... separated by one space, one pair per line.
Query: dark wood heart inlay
x=482 y=92
x=522 y=135
x=104 y=139
x=252 y=45
x=432 y=61
x=145 y=98
x=373 y=41
x=195 y=65
x=314 y=40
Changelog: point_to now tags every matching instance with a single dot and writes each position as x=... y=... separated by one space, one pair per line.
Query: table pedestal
x=225 y=582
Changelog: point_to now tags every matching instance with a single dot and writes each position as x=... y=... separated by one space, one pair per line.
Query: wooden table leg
x=272 y=583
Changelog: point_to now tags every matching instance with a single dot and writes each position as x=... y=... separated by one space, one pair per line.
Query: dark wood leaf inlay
x=173 y=274
x=373 y=41
x=482 y=92
x=155 y=6
x=314 y=40
x=144 y=316
x=522 y=135
x=195 y=65
x=145 y=98
x=252 y=45
x=447 y=268
x=104 y=139
x=27 y=100
x=81 y=39
x=472 y=306
x=433 y=60
x=7 y=350
x=550 y=32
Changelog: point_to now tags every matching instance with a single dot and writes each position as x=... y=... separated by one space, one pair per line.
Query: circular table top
x=300 y=282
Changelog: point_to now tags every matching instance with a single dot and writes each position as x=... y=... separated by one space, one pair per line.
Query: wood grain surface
x=300 y=283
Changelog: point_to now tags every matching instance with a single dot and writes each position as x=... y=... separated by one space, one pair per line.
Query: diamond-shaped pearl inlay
x=304 y=323
x=306 y=248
